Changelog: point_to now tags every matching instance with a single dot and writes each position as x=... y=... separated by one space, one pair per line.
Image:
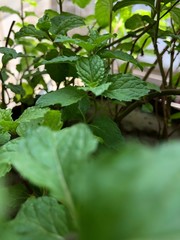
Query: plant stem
x=149 y=97
x=60 y=6
x=9 y=33
x=148 y=27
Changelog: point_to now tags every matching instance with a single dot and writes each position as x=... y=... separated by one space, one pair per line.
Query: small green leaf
x=9 y=54
x=175 y=116
x=147 y=108
x=175 y=14
x=41 y=218
x=9 y=10
x=152 y=86
x=134 y=22
x=125 y=3
x=118 y=54
x=91 y=70
x=84 y=44
x=103 y=11
x=29 y=13
x=82 y=3
x=17 y=89
x=52 y=119
x=30 y=119
x=60 y=59
x=31 y=2
x=64 y=96
x=5 y=114
x=64 y=22
x=126 y=87
x=97 y=90
x=106 y=129
x=31 y=31
x=44 y=23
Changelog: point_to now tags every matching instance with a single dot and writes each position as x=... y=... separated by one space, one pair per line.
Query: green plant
x=66 y=169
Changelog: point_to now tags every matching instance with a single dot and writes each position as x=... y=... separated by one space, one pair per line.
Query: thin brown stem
x=149 y=97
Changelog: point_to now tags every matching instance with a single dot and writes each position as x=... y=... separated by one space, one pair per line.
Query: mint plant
x=66 y=170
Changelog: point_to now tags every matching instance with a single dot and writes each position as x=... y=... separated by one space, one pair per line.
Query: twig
x=149 y=97
x=9 y=33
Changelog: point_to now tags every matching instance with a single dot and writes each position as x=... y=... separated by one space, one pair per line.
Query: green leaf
x=91 y=70
x=89 y=45
x=175 y=116
x=5 y=114
x=9 y=54
x=125 y=3
x=133 y=194
x=9 y=10
x=32 y=113
x=52 y=119
x=118 y=54
x=152 y=86
x=30 y=31
x=134 y=22
x=6 y=124
x=147 y=108
x=57 y=155
x=175 y=14
x=126 y=87
x=84 y=44
x=107 y=130
x=29 y=13
x=60 y=59
x=4 y=137
x=18 y=89
x=97 y=90
x=82 y=3
x=44 y=23
x=41 y=218
x=31 y=2
x=64 y=22
x=64 y=96
x=103 y=9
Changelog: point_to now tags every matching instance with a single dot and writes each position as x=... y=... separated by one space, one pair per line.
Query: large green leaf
x=64 y=22
x=57 y=155
x=126 y=87
x=133 y=194
x=125 y=3
x=82 y=3
x=91 y=70
x=103 y=11
x=41 y=219
x=118 y=54
x=64 y=96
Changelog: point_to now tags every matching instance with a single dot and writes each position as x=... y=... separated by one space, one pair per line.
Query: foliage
x=67 y=172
